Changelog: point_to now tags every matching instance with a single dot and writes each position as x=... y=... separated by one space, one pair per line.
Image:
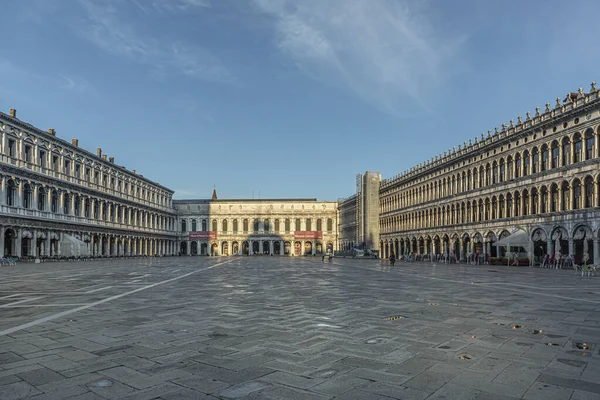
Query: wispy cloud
x=105 y=28
x=75 y=84
x=382 y=50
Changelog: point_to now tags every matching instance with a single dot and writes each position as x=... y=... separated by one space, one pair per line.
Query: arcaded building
x=256 y=226
x=57 y=199
x=535 y=178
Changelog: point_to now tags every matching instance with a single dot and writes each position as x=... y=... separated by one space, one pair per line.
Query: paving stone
x=40 y=376
x=395 y=392
x=218 y=326
x=17 y=390
x=544 y=391
x=283 y=378
x=208 y=386
x=429 y=381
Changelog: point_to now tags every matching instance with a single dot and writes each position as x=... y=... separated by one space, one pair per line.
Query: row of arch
x=51 y=160
x=33 y=196
x=558 y=153
x=254 y=247
x=579 y=193
x=27 y=242
x=581 y=243
x=258 y=225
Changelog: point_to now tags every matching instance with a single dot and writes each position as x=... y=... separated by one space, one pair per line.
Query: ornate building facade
x=536 y=178
x=57 y=199
x=266 y=226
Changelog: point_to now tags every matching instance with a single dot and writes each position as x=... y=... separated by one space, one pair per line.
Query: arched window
x=255 y=225
x=287 y=225
x=105 y=211
x=329 y=225
x=526 y=163
x=589 y=192
x=86 y=208
x=509 y=167
x=266 y=225
x=42 y=199
x=204 y=227
x=298 y=225
x=544 y=161
x=276 y=225
x=225 y=225
x=54 y=202
x=501 y=207
x=27 y=195
x=495 y=172
x=319 y=224
x=194 y=225
x=555 y=155
x=535 y=160
x=309 y=224
x=77 y=205
x=578 y=147
x=487 y=210
x=183 y=225
x=235 y=226
x=488 y=175
x=509 y=206
x=214 y=225
x=502 y=170
x=517 y=204
x=11 y=192
x=554 y=198
x=245 y=225
x=494 y=208
x=544 y=200
x=565 y=196
x=576 y=194
x=534 y=201
x=589 y=144
x=464 y=182
x=525 y=202
x=566 y=156
x=66 y=203
x=469 y=214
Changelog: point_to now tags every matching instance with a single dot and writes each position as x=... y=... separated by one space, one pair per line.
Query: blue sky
x=289 y=98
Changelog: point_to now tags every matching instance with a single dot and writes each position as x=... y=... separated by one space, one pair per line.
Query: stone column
x=281 y=248
x=571 y=251
x=19 y=232
x=260 y=242
x=271 y=247
x=461 y=250
x=596 y=252
x=59 y=245
x=189 y=247
x=2 y=232
x=549 y=246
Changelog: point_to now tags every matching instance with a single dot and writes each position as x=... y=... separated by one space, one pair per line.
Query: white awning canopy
x=517 y=239
x=71 y=246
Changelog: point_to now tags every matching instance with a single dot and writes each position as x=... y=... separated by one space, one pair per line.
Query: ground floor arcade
x=23 y=241
x=255 y=246
x=577 y=241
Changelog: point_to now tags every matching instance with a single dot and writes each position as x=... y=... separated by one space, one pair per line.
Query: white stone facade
x=53 y=192
x=539 y=176
x=266 y=226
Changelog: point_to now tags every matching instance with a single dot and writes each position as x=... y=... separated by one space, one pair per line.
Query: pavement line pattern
x=19 y=302
x=491 y=285
x=98 y=290
x=74 y=310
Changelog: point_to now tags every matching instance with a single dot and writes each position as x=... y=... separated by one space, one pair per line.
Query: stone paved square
x=296 y=328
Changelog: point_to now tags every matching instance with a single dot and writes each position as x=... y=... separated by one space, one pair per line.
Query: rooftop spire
x=214 y=196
